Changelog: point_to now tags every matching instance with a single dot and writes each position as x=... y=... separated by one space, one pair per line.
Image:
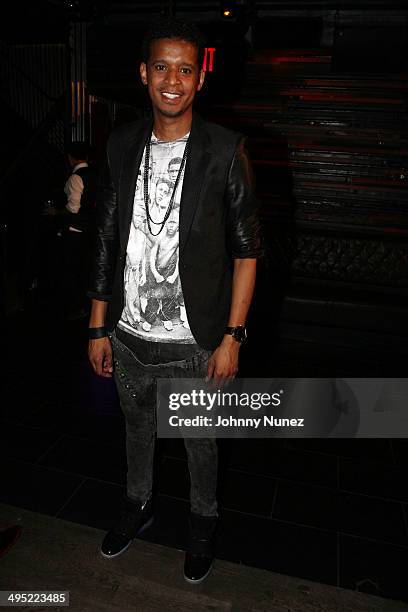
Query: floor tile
x=373 y=567
x=249 y=493
x=381 y=480
x=95 y=503
x=25 y=443
x=22 y=395
x=376 y=450
x=36 y=488
x=334 y=510
x=270 y=458
x=105 y=429
x=373 y=518
x=279 y=547
x=313 y=506
x=89 y=459
x=48 y=415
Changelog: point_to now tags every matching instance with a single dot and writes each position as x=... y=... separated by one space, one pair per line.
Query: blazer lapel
x=131 y=165
x=196 y=165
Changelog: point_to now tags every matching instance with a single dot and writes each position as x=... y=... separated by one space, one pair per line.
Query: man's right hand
x=100 y=356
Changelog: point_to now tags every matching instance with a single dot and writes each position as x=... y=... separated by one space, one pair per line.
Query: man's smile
x=171 y=95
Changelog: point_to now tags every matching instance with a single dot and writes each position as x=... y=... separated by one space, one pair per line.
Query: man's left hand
x=223 y=363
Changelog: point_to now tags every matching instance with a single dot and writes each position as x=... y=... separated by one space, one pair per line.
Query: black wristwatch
x=239 y=333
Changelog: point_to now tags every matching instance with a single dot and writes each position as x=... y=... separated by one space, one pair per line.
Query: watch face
x=240 y=334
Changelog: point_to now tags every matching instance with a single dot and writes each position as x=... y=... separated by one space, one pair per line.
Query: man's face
x=162 y=190
x=171 y=227
x=172 y=76
x=174 y=170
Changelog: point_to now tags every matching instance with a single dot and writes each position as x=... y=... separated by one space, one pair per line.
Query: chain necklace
x=146 y=187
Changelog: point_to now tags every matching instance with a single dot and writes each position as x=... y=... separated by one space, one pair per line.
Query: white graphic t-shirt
x=153 y=301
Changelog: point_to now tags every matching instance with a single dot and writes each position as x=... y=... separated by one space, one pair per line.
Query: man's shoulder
x=222 y=136
x=126 y=133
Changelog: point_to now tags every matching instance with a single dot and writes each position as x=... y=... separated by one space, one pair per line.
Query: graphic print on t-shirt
x=153 y=299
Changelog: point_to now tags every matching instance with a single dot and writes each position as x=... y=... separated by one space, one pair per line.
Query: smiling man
x=209 y=232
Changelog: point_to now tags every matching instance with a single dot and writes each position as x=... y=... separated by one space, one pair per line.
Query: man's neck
x=171 y=128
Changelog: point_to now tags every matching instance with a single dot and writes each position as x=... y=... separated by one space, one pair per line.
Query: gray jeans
x=136 y=385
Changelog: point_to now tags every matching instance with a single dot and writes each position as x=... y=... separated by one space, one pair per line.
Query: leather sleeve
x=106 y=238
x=243 y=225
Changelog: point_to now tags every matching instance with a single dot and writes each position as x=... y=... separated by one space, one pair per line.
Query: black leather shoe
x=200 y=554
x=134 y=519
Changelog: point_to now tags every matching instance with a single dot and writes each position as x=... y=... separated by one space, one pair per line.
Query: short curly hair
x=168 y=27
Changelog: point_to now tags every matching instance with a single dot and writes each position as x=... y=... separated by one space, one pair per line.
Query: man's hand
x=100 y=356
x=223 y=363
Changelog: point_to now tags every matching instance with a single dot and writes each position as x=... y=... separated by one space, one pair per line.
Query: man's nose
x=172 y=75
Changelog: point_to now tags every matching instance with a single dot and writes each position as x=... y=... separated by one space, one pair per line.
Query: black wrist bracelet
x=97 y=332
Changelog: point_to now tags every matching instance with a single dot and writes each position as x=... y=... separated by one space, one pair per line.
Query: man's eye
x=186 y=70
x=160 y=67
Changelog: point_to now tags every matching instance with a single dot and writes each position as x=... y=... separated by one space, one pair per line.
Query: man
x=78 y=222
x=135 y=265
x=218 y=245
x=161 y=198
x=79 y=188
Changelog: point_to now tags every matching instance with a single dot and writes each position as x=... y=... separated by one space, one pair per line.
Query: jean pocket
x=124 y=351
x=137 y=384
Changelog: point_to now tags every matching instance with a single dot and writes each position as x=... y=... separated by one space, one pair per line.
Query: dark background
x=320 y=90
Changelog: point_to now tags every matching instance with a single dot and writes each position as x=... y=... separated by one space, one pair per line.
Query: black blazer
x=218 y=223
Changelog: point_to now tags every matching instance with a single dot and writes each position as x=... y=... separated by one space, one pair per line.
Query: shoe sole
x=143 y=528
x=190 y=581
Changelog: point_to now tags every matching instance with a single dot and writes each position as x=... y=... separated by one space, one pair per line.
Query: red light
x=208 y=63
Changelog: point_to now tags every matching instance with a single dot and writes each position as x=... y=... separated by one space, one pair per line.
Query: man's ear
x=143 y=73
x=201 y=80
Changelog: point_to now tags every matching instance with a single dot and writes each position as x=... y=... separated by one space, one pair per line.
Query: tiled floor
x=334 y=511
